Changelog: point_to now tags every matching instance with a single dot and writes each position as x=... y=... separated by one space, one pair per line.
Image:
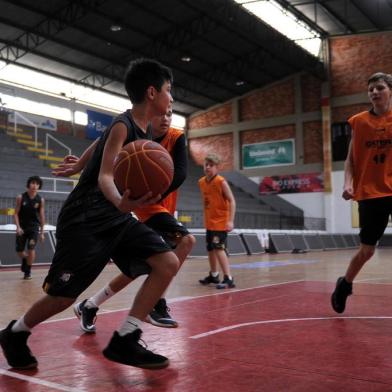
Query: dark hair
x=143 y=73
x=36 y=179
x=387 y=78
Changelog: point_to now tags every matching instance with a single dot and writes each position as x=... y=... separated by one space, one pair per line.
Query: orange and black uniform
x=216 y=211
x=160 y=216
x=372 y=172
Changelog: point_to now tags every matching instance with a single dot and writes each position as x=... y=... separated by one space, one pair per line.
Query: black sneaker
x=27 y=271
x=15 y=348
x=23 y=266
x=160 y=316
x=339 y=296
x=226 y=283
x=128 y=351
x=209 y=279
x=87 y=316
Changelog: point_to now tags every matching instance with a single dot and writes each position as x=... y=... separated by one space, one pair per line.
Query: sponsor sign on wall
x=292 y=183
x=39 y=121
x=277 y=153
x=97 y=123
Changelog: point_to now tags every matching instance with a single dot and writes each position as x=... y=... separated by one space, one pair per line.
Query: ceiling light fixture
x=115 y=27
x=186 y=59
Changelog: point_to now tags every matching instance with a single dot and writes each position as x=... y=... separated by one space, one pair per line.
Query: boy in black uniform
x=160 y=217
x=29 y=220
x=95 y=225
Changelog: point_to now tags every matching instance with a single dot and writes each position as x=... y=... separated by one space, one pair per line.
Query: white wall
x=330 y=206
x=311 y=203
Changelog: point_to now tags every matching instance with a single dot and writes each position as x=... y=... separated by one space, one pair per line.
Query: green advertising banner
x=277 y=153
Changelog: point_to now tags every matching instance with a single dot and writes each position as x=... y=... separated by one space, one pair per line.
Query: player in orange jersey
x=159 y=216
x=367 y=178
x=219 y=211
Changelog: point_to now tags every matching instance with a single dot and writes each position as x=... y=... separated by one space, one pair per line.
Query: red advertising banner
x=292 y=183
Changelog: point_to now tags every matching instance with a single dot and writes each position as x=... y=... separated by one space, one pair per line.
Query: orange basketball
x=142 y=166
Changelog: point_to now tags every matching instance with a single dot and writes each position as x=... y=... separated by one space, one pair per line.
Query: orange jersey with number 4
x=169 y=203
x=372 y=155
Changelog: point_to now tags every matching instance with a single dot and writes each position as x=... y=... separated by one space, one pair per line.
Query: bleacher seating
x=18 y=162
x=20 y=158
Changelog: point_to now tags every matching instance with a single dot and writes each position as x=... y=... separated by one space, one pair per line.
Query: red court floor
x=278 y=337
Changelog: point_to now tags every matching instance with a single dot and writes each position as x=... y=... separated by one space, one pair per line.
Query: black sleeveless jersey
x=29 y=212
x=86 y=204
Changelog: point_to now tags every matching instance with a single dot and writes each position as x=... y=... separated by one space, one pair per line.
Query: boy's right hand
x=127 y=205
x=348 y=193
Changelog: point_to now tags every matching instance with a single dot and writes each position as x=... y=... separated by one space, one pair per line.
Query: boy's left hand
x=68 y=167
x=230 y=226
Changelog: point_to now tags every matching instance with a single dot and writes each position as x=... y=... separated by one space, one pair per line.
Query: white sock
x=214 y=274
x=20 y=326
x=100 y=297
x=130 y=324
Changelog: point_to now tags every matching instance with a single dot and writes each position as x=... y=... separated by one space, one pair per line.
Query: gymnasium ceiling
x=231 y=52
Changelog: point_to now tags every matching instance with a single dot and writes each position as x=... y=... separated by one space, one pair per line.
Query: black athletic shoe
x=27 y=272
x=87 y=316
x=209 y=279
x=339 y=296
x=23 y=266
x=160 y=316
x=226 y=283
x=15 y=348
x=128 y=351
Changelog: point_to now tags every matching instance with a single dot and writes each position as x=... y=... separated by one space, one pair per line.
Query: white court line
x=187 y=298
x=38 y=381
x=371 y=279
x=224 y=329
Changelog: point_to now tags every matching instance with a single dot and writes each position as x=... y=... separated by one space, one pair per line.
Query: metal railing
x=52 y=209
x=17 y=114
x=47 y=137
x=59 y=185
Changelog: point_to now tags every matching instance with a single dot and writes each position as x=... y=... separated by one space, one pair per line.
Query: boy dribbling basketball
x=159 y=216
x=95 y=225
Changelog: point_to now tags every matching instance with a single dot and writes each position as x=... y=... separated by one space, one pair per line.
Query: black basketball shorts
x=168 y=227
x=81 y=255
x=216 y=240
x=28 y=237
x=373 y=218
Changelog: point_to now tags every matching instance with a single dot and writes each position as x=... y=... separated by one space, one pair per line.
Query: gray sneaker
x=87 y=316
x=160 y=316
x=226 y=283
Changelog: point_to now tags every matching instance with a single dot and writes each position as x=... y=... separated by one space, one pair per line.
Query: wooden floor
x=275 y=332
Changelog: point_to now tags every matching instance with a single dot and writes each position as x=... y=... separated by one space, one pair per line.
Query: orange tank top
x=372 y=155
x=169 y=203
x=216 y=206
